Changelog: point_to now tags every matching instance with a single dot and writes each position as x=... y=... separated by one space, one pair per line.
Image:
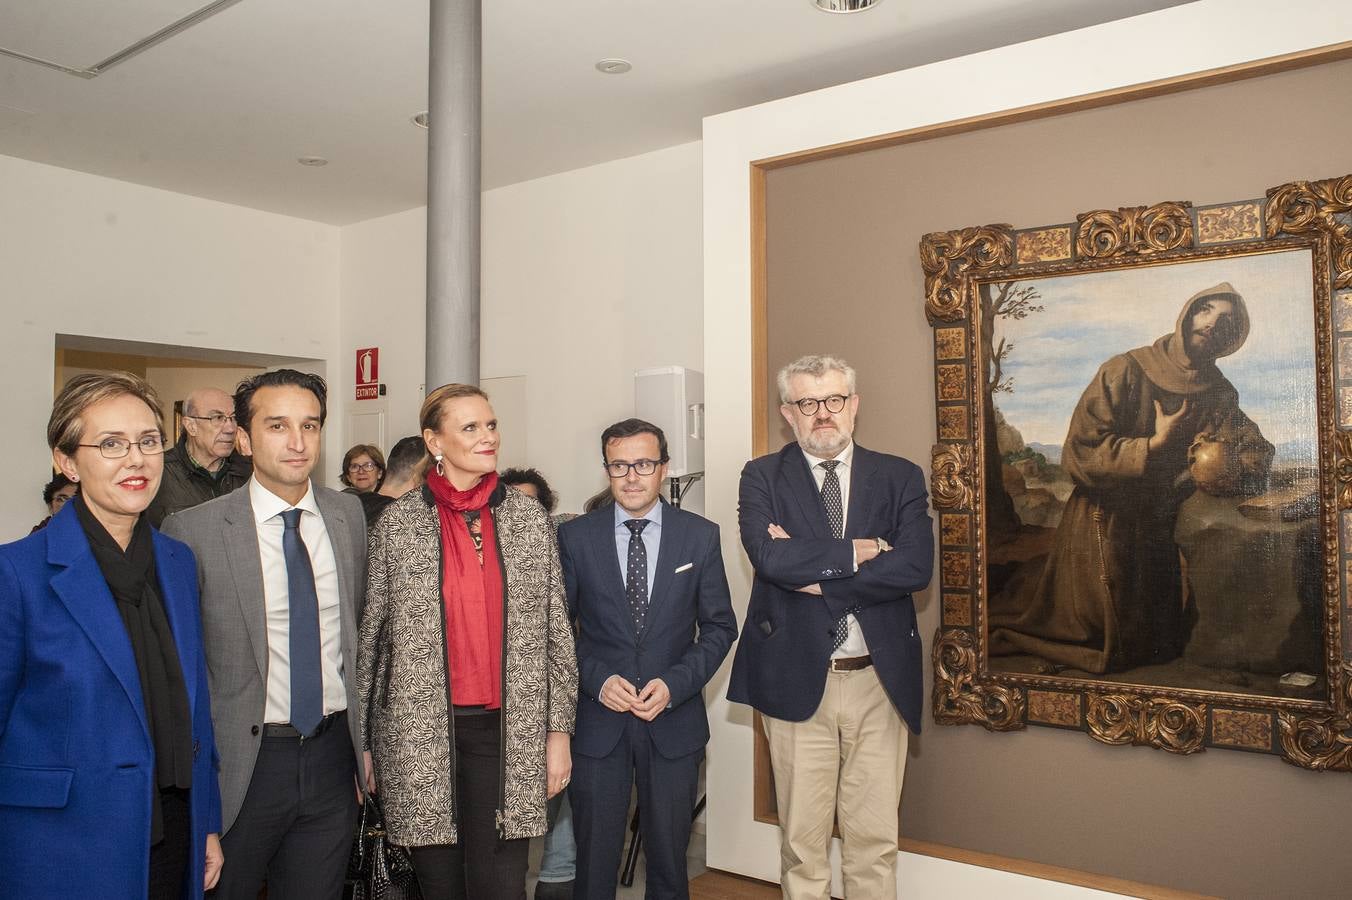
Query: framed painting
x=1143 y=474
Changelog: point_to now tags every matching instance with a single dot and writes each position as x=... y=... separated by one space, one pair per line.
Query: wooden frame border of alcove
x=763 y=787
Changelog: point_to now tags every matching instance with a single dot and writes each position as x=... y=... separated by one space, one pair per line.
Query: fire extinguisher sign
x=368 y=373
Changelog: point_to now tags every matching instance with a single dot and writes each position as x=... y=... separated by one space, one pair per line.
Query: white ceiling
x=223 y=109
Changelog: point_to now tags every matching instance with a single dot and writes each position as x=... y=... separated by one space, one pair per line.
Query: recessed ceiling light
x=421 y=119
x=845 y=6
x=614 y=66
x=312 y=161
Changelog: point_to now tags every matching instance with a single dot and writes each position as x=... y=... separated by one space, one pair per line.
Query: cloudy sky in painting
x=1089 y=318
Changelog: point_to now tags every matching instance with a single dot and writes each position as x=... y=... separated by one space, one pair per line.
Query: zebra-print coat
x=401 y=663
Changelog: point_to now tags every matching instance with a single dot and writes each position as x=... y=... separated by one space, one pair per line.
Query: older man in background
x=204 y=463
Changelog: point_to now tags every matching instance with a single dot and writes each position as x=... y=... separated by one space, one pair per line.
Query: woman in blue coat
x=107 y=761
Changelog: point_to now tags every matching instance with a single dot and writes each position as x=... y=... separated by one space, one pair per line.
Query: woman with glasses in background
x=107 y=775
x=363 y=469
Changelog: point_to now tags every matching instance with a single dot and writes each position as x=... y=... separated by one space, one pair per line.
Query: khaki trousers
x=844 y=764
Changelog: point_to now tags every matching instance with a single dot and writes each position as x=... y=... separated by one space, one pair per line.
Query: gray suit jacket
x=224 y=538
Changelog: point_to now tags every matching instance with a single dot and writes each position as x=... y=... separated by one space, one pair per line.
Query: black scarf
x=132 y=579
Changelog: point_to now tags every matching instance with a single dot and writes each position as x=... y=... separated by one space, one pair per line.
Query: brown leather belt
x=287 y=730
x=851 y=663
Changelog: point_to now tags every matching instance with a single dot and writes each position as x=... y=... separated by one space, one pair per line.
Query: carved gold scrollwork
x=959 y=700
x=1322 y=743
x=1147 y=721
x=948 y=256
x=1342 y=468
x=1303 y=207
x=1133 y=229
x=1316 y=742
x=951 y=476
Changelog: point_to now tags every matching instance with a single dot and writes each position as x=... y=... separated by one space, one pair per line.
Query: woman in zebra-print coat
x=442 y=702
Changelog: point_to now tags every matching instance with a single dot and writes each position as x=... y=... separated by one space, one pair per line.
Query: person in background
x=466 y=662
x=107 y=757
x=558 y=863
x=363 y=468
x=840 y=537
x=648 y=591
x=403 y=473
x=204 y=464
x=282 y=565
x=54 y=496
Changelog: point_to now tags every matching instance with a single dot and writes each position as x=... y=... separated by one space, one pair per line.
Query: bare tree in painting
x=1006 y=300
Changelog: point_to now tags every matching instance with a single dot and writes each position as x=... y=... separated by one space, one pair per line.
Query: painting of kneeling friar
x=1153 y=512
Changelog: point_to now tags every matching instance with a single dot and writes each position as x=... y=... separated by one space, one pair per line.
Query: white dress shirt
x=855 y=644
x=267 y=511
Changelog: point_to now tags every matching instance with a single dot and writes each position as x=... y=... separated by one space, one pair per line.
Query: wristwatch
x=883 y=546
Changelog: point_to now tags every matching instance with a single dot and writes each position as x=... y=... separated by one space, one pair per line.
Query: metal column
x=455 y=79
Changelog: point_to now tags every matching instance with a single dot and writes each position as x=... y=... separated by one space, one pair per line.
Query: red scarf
x=472 y=591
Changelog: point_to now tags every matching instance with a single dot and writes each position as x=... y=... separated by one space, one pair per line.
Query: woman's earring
x=440 y=470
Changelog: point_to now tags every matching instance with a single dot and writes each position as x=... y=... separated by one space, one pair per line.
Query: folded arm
x=788 y=562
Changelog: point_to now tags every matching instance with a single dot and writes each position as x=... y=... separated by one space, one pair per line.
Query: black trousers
x=169 y=858
x=481 y=866
x=667 y=792
x=295 y=828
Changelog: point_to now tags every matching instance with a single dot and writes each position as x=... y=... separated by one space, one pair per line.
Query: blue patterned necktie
x=636 y=575
x=835 y=517
x=307 y=680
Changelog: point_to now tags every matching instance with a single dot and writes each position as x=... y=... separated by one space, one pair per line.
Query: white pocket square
x=680 y=569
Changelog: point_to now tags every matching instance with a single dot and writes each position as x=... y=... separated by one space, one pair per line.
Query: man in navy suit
x=839 y=537
x=647 y=590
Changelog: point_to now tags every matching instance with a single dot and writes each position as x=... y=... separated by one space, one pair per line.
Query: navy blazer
x=76 y=758
x=687 y=630
x=781 y=663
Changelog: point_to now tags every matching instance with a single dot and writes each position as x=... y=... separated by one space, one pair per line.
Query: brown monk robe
x=1111 y=594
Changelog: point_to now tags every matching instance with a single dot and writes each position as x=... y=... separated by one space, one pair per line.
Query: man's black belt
x=287 y=730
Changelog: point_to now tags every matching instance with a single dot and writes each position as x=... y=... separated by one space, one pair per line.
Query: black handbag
x=376 y=869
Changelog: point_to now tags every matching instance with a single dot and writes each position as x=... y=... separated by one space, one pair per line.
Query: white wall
x=587 y=276
x=87 y=255
x=1203 y=35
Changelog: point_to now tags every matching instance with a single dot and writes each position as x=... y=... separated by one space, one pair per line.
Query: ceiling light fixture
x=845 y=6
x=312 y=161
x=614 y=66
x=421 y=119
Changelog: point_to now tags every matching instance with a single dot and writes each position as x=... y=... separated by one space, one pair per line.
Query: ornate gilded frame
x=1317 y=215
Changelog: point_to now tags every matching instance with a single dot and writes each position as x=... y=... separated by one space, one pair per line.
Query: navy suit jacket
x=781 y=663
x=76 y=758
x=687 y=629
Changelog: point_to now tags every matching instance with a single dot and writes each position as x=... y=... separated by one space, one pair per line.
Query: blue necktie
x=636 y=578
x=835 y=517
x=307 y=680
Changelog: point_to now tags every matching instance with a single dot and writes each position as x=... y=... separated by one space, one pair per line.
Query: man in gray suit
x=282 y=566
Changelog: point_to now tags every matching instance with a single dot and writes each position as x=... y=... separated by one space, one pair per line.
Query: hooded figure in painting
x=1111 y=596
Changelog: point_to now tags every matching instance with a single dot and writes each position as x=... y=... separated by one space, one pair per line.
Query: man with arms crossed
x=839 y=537
x=282 y=565
x=647 y=589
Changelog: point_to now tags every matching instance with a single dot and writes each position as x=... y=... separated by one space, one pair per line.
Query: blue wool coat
x=76 y=758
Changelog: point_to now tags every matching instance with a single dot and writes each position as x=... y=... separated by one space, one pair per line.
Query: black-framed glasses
x=116 y=448
x=619 y=469
x=808 y=405
x=218 y=420
x=362 y=467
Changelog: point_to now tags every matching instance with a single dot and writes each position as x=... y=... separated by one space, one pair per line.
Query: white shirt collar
x=653 y=515
x=844 y=457
x=267 y=505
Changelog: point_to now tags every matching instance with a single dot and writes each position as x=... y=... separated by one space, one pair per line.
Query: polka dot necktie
x=835 y=517
x=636 y=574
